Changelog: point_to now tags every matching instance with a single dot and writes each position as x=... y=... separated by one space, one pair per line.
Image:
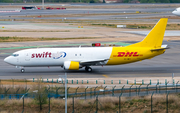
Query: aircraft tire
x=88 y=69
x=22 y=70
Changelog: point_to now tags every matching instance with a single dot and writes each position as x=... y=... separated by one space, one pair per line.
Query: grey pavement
x=151 y=12
x=160 y=66
x=87 y=17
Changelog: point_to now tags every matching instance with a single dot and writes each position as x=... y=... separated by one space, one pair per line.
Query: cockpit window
x=15 y=55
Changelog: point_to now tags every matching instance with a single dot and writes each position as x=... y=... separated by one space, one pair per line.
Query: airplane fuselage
x=57 y=56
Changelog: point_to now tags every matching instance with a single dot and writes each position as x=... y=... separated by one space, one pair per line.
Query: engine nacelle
x=71 y=65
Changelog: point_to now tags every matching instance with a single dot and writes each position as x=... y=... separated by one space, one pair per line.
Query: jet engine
x=71 y=65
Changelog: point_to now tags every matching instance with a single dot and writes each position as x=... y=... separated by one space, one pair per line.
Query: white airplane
x=76 y=58
x=176 y=11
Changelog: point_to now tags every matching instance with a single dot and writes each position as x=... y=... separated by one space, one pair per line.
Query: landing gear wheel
x=22 y=70
x=88 y=69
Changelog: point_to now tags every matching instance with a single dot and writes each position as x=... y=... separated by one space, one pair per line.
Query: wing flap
x=93 y=62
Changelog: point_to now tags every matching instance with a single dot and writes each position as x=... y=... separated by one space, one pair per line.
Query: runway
x=160 y=66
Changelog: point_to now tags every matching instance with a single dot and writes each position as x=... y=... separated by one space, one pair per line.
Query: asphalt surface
x=160 y=66
x=161 y=12
x=151 y=12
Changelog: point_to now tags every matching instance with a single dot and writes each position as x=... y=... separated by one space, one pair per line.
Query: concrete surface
x=160 y=66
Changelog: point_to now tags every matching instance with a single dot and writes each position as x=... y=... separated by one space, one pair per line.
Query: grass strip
x=24 y=39
x=140 y=26
x=76 y=15
x=33 y=31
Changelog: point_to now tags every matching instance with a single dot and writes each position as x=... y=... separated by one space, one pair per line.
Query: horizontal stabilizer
x=162 y=48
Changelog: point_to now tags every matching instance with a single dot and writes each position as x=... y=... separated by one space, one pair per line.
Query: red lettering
x=32 y=56
x=121 y=54
x=49 y=55
x=129 y=54
x=46 y=54
x=135 y=54
x=43 y=54
x=38 y=55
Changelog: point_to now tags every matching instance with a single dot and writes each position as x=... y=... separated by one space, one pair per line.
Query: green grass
x=106 y=25
x=33 y=31
x=140 y=26
x=150 y=26
x=24 y=39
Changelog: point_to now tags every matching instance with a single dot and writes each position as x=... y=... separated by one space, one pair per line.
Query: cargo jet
x=76 y=58
x=176 y=11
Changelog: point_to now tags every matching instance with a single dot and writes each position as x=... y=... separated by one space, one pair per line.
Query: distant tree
x=175 y=1
x=164 y=1
x=126 y=1
x=92 y=1
x=157 y=1
x=74 y=0
x=151 y=1
x=144 y=1
x=6 y=1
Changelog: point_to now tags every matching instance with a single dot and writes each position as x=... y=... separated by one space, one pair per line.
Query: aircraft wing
x=94 y=62
x=162 y=47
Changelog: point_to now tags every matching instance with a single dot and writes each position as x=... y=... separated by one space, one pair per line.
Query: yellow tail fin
x=155 y=37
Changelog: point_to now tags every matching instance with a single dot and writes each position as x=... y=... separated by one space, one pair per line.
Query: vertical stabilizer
x=155 y=37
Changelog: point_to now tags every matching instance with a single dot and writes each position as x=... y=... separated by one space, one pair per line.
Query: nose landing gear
x=88 y=69
x=22 y=70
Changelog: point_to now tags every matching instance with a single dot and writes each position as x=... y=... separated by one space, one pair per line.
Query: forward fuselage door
x=27 y=57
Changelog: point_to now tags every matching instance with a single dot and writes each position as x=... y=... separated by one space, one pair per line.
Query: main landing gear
x=88 y=69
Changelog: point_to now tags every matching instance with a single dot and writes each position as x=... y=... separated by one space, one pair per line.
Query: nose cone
x=173 y=12
x=176 y=13
x=7 y=60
